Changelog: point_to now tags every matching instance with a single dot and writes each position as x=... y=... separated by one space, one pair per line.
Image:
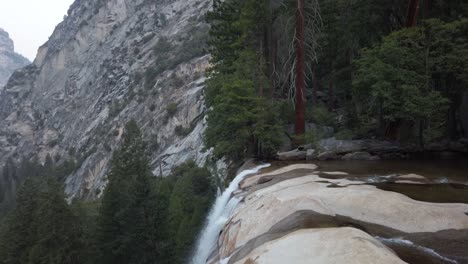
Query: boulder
x=311 y=154
x=436 y=146
x=341 y=146
x=412 y=176
x=379 y=146
x=335 y=173
x=292 y=155
x=306 y=147
x=361 y=155
x=328 y=155
x=458 y=146
x=322 y=246
x=411 y=179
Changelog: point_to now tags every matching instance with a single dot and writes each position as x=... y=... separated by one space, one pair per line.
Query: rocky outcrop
x=292 y=155
x=321 y=246
x=368 y=149
x=9 y=59
x=340 y=220
x=106 y=63
x=360 y=155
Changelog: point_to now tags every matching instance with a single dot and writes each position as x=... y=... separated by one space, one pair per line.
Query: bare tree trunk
x=300 y=70
x=413 y=10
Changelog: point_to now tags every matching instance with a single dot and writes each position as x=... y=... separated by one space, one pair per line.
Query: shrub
x=183 y=131
x=171 y=109
x=320 y=115
x=162 y=46
x=153 y=143
x=345 y=134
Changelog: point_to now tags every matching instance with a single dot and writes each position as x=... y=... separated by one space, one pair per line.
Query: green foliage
x=140 y=219
x=42 y=229
x=14 y=174
x=126 y=230
x=411 y=75
x=168 y=55
x=311 y=136
x=153 y=143
x=115 y=108
x=437 y=55
x=345 y=134
x=172 y=109
x=320 y=115
x=183 y=131
x=192 y=195
x=148 y=220
x=241 y=122
x=86 y=213
x=162 y=46
x=239 y=119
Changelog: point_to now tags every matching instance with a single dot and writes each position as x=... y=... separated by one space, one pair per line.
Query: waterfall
x=218 y=216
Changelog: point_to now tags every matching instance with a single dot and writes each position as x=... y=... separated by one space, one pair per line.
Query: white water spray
x=219 y=215
x=429 y=251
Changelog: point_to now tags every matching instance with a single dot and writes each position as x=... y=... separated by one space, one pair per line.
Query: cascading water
x=403 y=242
x=219 y=215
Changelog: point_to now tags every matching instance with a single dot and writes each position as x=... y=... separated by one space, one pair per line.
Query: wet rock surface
x=392 y=225
x=353 y=245
x=292 y=155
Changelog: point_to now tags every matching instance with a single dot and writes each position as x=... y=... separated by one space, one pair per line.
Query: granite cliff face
x=9 y=60
x=109 y=62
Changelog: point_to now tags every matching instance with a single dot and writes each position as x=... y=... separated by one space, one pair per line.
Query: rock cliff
x=9 y=59
x=106 y=63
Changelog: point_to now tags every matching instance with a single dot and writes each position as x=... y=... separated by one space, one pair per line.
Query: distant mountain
x=9 y=59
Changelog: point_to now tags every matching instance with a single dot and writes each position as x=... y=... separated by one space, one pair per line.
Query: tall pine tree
x=130 y=218
x=42 y=229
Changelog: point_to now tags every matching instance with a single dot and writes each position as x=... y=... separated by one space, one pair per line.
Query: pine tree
x=191 y=198
x=42 y=228
x=58 y=231
x=130 y=216
x=239 y=113
x=19 y=234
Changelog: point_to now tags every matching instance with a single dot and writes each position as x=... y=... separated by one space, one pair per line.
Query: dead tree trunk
x=300 y=70
x=413 y=10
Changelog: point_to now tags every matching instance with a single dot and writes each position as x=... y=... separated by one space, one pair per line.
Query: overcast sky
x=31 y=22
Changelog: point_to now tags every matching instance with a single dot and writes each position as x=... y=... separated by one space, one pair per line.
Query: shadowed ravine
x=238 y=230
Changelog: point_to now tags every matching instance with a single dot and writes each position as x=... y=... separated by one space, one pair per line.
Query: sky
x=31 y=22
